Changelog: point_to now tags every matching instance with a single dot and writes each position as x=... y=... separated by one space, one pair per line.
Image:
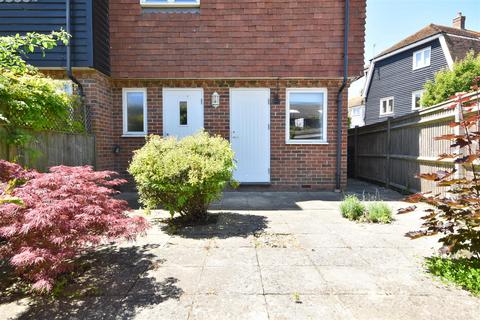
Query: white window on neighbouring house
x=171 y=3
x=306 y=116
x=416 y=96
x=356 y=111
x=386 y=106
x=421 y=58
x=134 y=111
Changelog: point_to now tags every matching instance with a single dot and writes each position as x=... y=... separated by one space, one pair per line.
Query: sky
x=389 y=21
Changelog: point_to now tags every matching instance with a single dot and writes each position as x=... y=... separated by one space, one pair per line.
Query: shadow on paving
x=220 y=225
x=101 y=287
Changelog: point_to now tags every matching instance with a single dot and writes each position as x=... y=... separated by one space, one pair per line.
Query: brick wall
x=292 y=166
x=236 y=39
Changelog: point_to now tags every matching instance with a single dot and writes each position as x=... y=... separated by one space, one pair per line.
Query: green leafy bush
x=184 y=176
x=352 y=208
x=463 y=272
x=28 y=99
x=448 y=82
x=379 y=212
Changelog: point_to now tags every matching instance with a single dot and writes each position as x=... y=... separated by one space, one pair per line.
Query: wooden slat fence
x=394 y=151
x=53 y=148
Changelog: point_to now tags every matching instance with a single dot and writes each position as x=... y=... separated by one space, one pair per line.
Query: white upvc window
x=134 y=101
x=421 y=58
x=416 y=97
x=306 y=115
x=171 y=3
x=386 y=106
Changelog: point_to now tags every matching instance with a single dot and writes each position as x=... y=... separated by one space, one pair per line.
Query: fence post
x=457 y=130
x=387 y=151
x=355 y=152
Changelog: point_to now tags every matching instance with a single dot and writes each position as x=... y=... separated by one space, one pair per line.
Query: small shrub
x=448 y=82
x=379 y=212
x=352 y=208
x=463 y=272
x=184 y=176
x=59 y=215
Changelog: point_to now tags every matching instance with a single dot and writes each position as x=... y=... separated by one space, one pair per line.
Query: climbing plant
x=30 y=100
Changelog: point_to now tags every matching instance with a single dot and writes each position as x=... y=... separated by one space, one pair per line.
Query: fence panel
x=394 y=151
x=53 y=148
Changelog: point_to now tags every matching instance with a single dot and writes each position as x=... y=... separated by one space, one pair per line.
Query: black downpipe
x=69 y=50
x=346 y=26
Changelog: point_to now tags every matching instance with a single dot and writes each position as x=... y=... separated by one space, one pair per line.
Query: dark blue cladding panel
x=394 y=76
x=48 y=15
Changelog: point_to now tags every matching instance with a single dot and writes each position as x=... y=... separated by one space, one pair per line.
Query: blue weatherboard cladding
x=394 y=76
x=47 y=15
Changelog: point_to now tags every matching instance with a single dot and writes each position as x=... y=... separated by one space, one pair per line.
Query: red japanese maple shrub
x=456 y=214
x=62 y=214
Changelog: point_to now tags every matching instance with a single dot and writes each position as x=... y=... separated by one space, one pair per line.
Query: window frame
x=171 y=4
x=324 y=139
x=424 y=64
x=382 y=114
x=413 y=99
x=127 y=133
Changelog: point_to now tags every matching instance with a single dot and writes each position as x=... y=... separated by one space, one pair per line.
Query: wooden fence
x=53 y=148
x=394 y=151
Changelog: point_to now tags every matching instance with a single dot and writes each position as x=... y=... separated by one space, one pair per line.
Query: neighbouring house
x=396 y=76
x=271 y=76
x=356 y=111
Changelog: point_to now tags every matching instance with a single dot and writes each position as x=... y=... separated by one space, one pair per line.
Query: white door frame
x=268 y=151
x=166 y=89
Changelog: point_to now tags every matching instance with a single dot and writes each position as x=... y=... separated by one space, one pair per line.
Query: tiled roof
x=458 y=46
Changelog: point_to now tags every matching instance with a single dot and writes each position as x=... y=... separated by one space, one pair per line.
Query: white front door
x=182 y=112
x=250 y=134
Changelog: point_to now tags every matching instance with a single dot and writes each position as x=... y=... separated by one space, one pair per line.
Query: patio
x=263 y=256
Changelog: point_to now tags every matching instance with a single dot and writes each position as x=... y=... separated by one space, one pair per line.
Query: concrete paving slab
x=178 y=278
x=348 y=280
x=224 y=257
x=244 y=279
x=283 y=257
x=181 y=256
x=231 y=307
x=292 y=279
x=335 y=257
x=325 y=240
x=307 y=307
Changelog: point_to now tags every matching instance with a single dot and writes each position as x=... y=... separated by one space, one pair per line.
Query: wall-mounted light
x=215 y=100
x=116 y=149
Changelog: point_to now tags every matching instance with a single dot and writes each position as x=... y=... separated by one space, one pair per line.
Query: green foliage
x=352 y=208
x=184 y=176
x=463 y=272
x=13 y=49
x=448 y=82
x=28 y=99
x=33 y=101
x=379 y=212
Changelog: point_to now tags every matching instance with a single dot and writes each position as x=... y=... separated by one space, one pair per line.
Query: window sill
x=385 y=115
x=134 y=135
x=169 y=5
x=422 y=67
x=306 y=142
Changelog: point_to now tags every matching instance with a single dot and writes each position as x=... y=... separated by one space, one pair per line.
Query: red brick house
x=267 y=75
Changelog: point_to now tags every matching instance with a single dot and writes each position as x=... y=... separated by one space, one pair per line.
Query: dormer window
x=421 y=58
x=171 y=3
